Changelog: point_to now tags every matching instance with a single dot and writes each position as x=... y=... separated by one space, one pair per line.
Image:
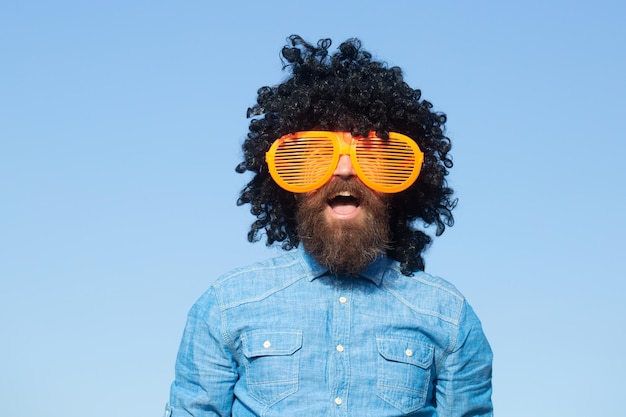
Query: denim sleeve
x=205 y=369
x=463 y=387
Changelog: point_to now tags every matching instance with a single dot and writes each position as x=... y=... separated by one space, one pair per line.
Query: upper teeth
x=345 y=194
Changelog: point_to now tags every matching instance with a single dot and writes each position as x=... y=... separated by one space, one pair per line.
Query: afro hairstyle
x=347 y=91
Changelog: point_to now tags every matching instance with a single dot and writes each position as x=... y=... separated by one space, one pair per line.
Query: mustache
x=352 y=185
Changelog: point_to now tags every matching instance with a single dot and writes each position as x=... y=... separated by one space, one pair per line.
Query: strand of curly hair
x=347 y=91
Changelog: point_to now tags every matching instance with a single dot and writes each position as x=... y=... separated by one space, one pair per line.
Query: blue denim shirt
x=286 y=338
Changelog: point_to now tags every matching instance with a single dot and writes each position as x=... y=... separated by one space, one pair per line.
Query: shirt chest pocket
x=272 y=362
x=404 y=372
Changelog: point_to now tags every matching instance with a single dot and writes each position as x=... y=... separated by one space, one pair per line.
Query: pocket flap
x=268 y=343
x=412 y=352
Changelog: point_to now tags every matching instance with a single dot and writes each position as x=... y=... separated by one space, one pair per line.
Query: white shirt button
x=339 y=348
x=338 y=401
x=267 y=344
x=343 y=300
x=408 y=352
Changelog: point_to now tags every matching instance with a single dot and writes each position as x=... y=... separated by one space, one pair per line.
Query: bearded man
x=348 y=162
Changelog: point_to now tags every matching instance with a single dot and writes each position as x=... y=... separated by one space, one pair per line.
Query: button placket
x=341 y=328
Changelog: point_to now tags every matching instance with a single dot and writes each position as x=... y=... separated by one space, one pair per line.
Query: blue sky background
x=121 y=124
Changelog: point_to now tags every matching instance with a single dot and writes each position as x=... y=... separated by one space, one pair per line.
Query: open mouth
x=344 y=203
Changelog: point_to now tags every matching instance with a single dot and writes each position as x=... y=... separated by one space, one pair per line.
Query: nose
x=344 y=167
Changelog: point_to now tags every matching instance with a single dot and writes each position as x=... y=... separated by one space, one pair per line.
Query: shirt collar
x=374 y=272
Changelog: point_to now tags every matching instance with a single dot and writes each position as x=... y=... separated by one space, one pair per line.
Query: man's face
x=344 y=225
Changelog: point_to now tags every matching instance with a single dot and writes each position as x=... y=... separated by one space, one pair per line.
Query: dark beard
x=346 y=247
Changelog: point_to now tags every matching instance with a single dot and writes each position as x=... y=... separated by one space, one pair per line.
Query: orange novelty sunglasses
x=304 y=161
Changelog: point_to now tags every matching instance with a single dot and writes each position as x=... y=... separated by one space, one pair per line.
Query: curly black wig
x=347 y=91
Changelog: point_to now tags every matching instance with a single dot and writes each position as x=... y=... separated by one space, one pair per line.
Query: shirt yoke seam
x=410 y=305
x=227 y=306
